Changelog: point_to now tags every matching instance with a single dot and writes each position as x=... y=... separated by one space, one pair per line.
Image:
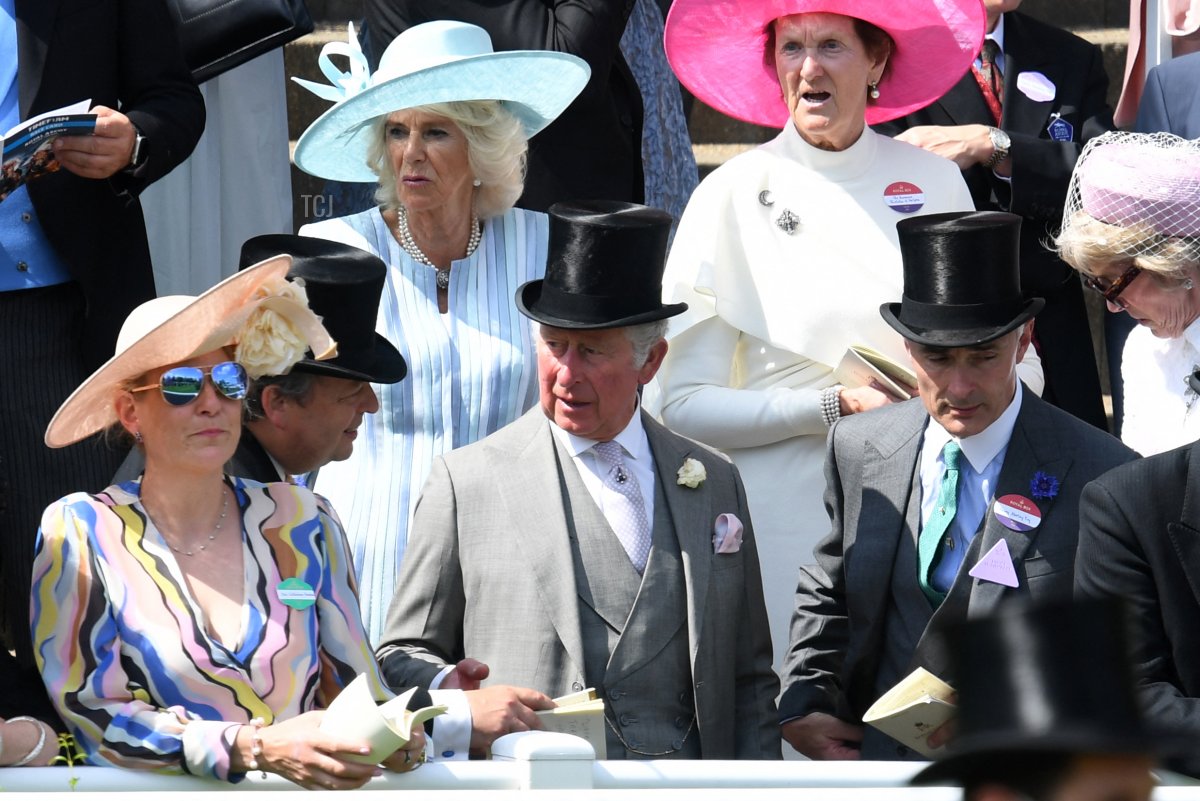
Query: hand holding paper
x=387 y=727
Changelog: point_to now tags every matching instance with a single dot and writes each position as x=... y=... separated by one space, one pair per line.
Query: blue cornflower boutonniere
x=1044 y=486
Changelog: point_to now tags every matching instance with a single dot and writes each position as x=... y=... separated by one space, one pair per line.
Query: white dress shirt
x=632 y=440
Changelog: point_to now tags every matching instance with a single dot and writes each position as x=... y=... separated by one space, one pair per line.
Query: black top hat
x=604 y=269
x=343 y=285
x=1049 y=678
x=962 y=283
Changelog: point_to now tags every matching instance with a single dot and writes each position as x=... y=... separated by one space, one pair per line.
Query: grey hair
x=496 y=148
x=642 y=337
x=296 y=386
x=1090 y=246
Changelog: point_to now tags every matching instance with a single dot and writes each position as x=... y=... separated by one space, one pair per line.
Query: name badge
x=296 y=593
x=1017 y=512
x=904 y=197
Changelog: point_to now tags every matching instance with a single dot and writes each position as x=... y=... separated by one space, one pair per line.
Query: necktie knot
x=951 y=454
x=990 y=53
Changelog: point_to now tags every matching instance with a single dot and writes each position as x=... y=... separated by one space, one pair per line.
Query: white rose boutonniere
x=280 y=331
x=691 y=474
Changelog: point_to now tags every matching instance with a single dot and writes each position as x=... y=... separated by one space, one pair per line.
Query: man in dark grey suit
x=941 y=507
x=585 y=545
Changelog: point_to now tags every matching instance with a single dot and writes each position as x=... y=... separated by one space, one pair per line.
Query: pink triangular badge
x=996 y=566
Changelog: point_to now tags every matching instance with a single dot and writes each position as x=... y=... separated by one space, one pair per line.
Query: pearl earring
x=874 y=87
x=477 y=183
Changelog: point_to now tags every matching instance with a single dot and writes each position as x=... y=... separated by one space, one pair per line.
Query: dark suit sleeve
x=157 y=92
x=1152 y=114
x=424 y=627
x=1113 y=560
x=1041 y=167
x=820 y=632
x=757 y=730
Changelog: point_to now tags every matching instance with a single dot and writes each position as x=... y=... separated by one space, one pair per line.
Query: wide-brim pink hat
x=716 y=49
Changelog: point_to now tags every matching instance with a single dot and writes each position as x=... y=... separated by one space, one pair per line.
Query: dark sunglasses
x=182 y=385
x=1112 y=292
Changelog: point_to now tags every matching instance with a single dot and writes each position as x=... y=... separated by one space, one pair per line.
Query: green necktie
x=928 y=545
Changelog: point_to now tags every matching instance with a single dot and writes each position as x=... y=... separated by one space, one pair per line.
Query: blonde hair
x=496 y=148
x=1093 y=246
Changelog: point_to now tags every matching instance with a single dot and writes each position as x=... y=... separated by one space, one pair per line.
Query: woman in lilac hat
x=785 y=253
x=1132 y=227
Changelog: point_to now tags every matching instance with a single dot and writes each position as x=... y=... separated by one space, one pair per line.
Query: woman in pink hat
x=785 y=253
x=1132 y=227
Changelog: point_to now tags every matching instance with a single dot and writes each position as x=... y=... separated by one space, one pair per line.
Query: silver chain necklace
x=405 y=237
x=216 y=529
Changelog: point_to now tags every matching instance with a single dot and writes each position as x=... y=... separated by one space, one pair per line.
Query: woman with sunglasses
x=1132 y=228
x=192 y=621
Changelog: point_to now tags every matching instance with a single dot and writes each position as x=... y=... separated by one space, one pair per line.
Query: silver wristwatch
x=1001 y=145
x=138 y=155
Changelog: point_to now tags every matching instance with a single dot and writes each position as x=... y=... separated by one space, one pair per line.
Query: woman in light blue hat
x=443 y=126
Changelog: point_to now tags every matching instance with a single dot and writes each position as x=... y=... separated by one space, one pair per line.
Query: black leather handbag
x=218 y=35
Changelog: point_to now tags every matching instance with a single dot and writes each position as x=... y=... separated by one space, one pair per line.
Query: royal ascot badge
x=1017 y=513
x=904 y=197
x=296 y=593
x=1059 y=129
x=996 y=566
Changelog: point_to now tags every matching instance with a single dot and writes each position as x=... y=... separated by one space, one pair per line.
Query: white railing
x=547 y=765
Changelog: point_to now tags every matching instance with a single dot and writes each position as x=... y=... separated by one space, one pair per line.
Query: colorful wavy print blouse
x=125 y=651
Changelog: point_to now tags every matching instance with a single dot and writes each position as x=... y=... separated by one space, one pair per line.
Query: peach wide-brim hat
x=716 y=49
x=174 y=328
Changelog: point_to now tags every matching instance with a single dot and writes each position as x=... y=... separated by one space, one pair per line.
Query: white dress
x=1160 y=411
x=471 y=371
x=771 y=314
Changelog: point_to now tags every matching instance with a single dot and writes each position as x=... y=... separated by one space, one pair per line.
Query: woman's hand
x=27 y=741
x=300 y=752
x=863 y=399
x=411 y=756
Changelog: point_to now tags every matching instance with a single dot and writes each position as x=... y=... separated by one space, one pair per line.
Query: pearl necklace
x=211 y=537
x=405 y=238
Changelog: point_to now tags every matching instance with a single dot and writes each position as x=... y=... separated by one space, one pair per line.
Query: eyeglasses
x=1112 y=292
x=182 y=385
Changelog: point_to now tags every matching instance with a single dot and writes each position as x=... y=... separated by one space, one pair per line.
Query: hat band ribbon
x=583 y=308
x=959 y=315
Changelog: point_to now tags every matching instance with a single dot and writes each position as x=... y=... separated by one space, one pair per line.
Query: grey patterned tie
x=623 y=505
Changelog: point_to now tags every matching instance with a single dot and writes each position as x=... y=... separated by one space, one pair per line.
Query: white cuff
x=436 y=684
x=451 y=738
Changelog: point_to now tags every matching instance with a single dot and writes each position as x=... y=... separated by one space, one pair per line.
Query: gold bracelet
x=256 y=746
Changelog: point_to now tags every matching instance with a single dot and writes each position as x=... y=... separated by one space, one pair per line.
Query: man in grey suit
x=585 y=545
x=944 y=506
x=1171 y=99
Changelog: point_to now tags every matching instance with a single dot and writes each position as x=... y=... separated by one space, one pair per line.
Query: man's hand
x=102 y=155
x=965 y=145
x=821 y=736
x=499 y=710
x=466 y=675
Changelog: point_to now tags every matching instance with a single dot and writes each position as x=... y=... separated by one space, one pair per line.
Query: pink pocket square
x=727 y=534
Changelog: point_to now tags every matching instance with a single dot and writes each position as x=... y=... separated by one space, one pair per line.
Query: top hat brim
x=536 y=86
x=385 y=366
x=587 y=316
x=974 y=754
x=956 y=337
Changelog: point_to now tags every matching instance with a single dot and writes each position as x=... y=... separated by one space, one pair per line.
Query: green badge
x=296 y=593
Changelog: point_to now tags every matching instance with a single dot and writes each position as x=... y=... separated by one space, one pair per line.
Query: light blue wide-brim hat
x=436 y=62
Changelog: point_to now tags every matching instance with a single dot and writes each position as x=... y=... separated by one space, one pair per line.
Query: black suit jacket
x=122 y=54
x=843 y=603
x=1041 y=172
x=594 y=148
x=1139 y=538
